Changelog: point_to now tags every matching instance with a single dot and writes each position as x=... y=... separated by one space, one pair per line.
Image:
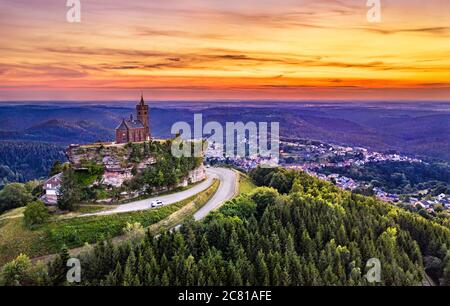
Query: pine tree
x=58 y=268
x=261 y=271
x=70 y=191
x=165 y=280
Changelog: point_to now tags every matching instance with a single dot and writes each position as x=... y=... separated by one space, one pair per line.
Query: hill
x=411 y=128
x=419 y=129
x=301 y=231
x=61 y=131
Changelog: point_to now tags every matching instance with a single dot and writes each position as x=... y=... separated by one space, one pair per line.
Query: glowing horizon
x=235 y=50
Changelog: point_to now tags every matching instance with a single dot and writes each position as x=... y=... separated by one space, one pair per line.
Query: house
x=51 y=187
x=445 y=203
x=441 y=196
x=413 y=200
x=423 y=204
x=393 y=197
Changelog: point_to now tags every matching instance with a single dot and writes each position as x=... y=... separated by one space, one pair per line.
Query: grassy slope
x=245 y=183
x=16 y=239
x=187 y=211
x=48 y=239
x=13 y=213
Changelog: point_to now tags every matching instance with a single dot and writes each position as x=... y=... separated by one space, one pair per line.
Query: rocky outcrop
x=120 y=161
x=115 y=158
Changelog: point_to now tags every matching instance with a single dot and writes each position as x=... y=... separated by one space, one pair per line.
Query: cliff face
x=116 y=160
x=107 y=153
x=121 y=162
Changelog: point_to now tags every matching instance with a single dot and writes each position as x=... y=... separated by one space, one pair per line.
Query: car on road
x=157 y=203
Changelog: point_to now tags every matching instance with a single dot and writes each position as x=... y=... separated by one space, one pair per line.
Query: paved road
x=224 y=193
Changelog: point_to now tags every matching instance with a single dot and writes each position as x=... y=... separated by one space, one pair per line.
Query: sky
x=225 y=50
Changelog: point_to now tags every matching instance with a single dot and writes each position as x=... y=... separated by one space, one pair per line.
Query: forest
x=400 y=177
x=293 y=230
x=22 y=161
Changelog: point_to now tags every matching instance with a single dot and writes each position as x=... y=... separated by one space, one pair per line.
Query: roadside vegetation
x=49 y=237
x=245 y=183
x=186 y=212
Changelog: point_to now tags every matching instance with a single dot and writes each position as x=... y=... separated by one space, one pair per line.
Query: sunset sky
x=216 y=50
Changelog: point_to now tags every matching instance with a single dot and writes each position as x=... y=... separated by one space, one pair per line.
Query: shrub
x=21 y=272
x=35 y=214
x=134 y=230
x=14 y=195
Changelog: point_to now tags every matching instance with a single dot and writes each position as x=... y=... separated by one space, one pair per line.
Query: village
x=312 y=156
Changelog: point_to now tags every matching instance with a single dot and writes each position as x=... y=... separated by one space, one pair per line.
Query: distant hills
x=57 y=130
x=411 y=128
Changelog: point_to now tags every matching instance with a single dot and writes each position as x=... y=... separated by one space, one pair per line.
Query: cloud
x=425 y=30
x=102 y=51
x=28 y=70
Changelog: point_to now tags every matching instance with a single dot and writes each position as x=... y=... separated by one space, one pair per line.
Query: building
x=135 y=129
x=51 y=187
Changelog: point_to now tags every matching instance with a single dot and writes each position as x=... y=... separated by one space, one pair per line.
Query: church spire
x=142 y=98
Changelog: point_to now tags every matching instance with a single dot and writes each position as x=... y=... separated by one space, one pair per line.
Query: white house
x=441 y=196
x=51 y=187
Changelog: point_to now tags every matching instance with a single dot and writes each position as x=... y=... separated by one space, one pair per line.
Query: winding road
x=226 y=191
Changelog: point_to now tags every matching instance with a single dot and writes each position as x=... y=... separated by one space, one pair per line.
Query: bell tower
x=142 y=115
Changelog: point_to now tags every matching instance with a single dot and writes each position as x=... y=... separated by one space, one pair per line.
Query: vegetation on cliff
x=150 y=165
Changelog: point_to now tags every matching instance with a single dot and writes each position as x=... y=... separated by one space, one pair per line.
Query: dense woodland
x=24 y=161
x=298 y=231
x=400 y=177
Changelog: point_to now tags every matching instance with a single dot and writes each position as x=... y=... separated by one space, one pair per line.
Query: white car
x=157 y=203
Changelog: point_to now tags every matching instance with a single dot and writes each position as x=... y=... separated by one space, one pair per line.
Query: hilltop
x=109 y=171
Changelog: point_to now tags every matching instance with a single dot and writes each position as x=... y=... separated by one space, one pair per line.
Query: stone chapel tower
x=142 y=112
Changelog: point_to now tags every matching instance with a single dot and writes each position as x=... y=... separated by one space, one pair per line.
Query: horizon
x=218 y=101
x=203 y=50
